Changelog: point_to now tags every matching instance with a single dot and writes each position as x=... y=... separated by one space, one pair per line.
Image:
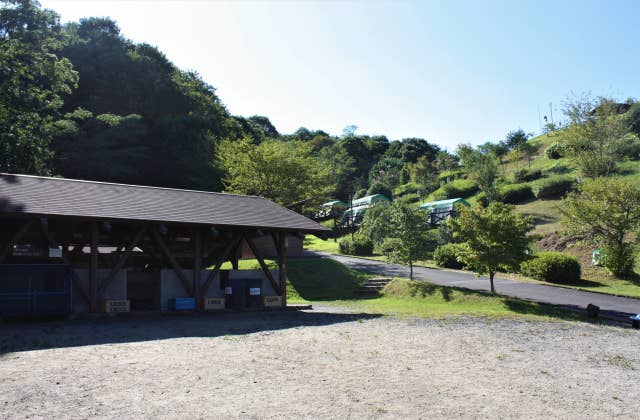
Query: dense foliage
x=446 y=256
x=359 y=245
x=554 y=267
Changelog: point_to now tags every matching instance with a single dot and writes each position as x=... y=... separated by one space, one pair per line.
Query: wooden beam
x=197 y=261
x=122 y=261
x=77 y=283
x=16 y=238
x=263 y=265
x=174 y=264
x=93 y=268
x=235 y=240
x=282 y=266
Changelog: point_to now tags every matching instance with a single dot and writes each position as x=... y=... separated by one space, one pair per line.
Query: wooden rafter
x=263 y=265
x=174 y=264
x=123 y=260
x=235 y=240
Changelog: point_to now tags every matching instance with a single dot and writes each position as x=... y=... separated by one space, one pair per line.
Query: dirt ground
x=317 y=364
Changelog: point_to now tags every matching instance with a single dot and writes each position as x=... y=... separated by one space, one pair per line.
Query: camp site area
x=324 y=363
x=99 y=329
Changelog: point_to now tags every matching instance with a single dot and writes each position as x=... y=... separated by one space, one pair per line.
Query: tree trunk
x=491 y=274
x=410 y=270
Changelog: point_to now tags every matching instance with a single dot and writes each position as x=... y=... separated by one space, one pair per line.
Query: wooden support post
x=8 y=250
x=197 y=261
x=174 y=264
x=122 y=261
x=221 y=259
x=263 y=265
x=76 y=280
x=93 y=269
x=235 y=256
x=282 y=266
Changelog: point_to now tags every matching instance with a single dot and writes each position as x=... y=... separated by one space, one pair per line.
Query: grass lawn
x=328 y=281
x=413 y=298
x=313 y=243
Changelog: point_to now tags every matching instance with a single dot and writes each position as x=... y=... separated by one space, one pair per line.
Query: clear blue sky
x=447 y=71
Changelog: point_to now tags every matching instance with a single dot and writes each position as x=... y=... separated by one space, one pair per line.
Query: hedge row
x=553 y=267
x=356 y=246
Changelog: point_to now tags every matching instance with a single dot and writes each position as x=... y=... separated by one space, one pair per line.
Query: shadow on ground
x=25 y=336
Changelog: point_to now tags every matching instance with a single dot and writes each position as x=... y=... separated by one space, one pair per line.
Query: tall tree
x=493 y=238
x=33 y=83
x=285 y=172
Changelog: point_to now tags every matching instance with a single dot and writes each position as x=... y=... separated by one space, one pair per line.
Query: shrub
x=482 y=199
x=460 y=188
x=554 y=267
x=380 y=188
x=554 y=187
x=445 y=256
x=515 y=194
x=357 y=246
x=444 y=175
x=555 y=150
x=619 y=260
x=524 y=175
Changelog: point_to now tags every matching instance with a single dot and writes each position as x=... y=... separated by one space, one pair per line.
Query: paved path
x=576 y=299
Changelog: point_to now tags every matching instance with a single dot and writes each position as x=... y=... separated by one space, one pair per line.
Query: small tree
x=483 y=168
x=606 y=210
x=493 y=238
x=595 y=135
x=403 y=232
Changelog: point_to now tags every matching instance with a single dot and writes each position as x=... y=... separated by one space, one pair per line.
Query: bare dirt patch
x=317 y=364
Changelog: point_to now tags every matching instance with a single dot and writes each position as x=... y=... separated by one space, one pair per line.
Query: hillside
x=544 y=211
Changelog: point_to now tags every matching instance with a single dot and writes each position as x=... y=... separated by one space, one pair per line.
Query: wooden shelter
x=100 y=230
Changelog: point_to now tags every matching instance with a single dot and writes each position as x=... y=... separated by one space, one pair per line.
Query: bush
x=554 y=187
x=445 y=256
x=380 y=188
x=555 y=150
x=460 y=188
x=356 y=246
x=452 y=175
x=554 y=267
x=482 y=199
x=619 y=260
x=515 y=194
x=524 y=175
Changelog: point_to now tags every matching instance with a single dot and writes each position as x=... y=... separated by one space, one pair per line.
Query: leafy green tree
x=33 y=83
x=595 y=135
x=403 y=231
x=410 y=149
x=607 y=211
x=483 y=168
x=284 y=172
x=386 y=171
x=493 y=238
x=516 y=138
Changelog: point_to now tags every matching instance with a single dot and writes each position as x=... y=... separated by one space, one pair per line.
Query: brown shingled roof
x=42 y=196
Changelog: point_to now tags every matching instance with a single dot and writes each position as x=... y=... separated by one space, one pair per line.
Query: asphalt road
x=613 y=306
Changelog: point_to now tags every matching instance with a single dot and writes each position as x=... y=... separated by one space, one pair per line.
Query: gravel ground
x=317 y=364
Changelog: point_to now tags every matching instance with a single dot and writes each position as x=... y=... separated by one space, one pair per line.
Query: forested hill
x=82 y=101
